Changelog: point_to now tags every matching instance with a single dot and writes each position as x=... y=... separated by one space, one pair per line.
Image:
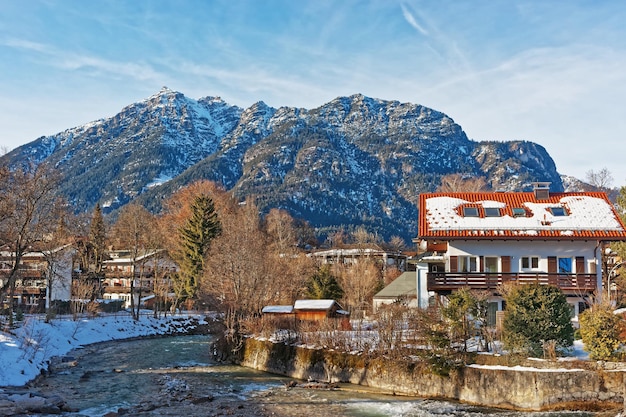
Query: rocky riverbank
x=20 y=402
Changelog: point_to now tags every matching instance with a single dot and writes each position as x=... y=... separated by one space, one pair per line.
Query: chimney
x=541 y=190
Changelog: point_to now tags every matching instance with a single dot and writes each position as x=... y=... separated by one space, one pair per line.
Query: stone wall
x=511 y=387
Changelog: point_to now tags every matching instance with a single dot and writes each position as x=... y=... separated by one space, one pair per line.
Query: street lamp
x=608 y=281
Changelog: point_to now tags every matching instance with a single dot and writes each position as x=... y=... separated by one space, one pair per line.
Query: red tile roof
x=589 y=215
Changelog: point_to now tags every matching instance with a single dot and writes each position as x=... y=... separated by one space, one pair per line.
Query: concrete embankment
x=530 y=385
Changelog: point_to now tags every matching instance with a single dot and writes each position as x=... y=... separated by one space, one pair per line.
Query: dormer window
x=470 y=211
x=492 y=212
x=519 y=212
x=558 y=211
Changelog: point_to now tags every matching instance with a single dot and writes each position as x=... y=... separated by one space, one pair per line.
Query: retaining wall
x=548 y=386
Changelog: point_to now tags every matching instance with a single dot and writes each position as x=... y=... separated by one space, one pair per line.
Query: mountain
x=353 y=161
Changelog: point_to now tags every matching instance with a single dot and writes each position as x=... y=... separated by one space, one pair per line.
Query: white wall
x=61 y=285
x=517 y=249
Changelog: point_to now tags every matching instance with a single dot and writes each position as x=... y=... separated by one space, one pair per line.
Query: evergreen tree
x=536 y=314
x=195 y=237
x=465 y=311
x=323 y=285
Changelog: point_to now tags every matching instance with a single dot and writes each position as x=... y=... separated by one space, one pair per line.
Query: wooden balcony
x=572 y=284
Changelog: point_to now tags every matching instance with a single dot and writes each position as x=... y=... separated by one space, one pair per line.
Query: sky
x=551 y=72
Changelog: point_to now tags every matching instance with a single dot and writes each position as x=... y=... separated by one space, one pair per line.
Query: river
x=176 y=376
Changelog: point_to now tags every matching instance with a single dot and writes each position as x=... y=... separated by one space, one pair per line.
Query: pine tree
x=324 y=285
x=195 y=237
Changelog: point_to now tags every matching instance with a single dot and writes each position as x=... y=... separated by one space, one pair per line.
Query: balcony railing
x=568 y=283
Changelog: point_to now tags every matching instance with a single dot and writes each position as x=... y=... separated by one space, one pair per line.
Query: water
x=176 y=376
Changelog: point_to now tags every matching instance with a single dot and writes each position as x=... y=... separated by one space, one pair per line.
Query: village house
x=349 y=256
x=409 y=289
x=43 y=276
x=484 y=240
x=148 y=272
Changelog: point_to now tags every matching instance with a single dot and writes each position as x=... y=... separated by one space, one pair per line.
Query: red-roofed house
x=482 y=240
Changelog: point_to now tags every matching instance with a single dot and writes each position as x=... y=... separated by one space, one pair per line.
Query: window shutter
x=454 y=264
x=552 y=265
x=506 y=263
x=580 y=265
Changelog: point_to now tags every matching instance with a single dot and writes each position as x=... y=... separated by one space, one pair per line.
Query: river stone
x=26 y=402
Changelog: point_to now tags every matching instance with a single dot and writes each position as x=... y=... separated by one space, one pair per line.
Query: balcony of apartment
x=23 y=273
x=123 y=289
x=119 y=273
x=572 y=284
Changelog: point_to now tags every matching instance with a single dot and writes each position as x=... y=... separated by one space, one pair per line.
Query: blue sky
x=552 y=72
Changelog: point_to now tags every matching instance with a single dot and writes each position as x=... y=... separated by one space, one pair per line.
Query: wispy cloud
x=408 y=16
x=441 y=43
x=24 y=44
x=57 y=58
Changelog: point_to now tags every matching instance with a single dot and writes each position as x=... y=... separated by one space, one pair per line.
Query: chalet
x=318 y=309
x=483 y=240
x=146 y=272
x=42 y=276
x=308 y=310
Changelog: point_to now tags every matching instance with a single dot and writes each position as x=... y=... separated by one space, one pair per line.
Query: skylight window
x=492 y=212
x=558 y=211
x=470 y=211
x=519 y=212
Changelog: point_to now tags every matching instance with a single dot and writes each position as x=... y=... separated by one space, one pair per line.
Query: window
x=468 y=264
x=492 y=212
x=565 y=265
x=530 y=262
x=519 y=212
x=558 y=211
x=491 y=264
x=470 y=211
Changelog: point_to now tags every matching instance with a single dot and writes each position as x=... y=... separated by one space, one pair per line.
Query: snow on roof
x=350 y=252
x=313 y=304
x=128 y=259
x=278 y=309
x=585 y=215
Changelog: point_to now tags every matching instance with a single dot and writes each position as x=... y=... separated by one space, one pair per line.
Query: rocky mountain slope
x=353 y=161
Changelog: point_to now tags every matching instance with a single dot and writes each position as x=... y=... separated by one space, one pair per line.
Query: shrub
x=600 y=330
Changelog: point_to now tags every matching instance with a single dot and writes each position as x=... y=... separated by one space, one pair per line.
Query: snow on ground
x=26 y=350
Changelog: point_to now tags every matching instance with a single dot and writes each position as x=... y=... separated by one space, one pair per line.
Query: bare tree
x=132 y=231
x=359 y=281
x=57 y=250
x=362 y=238
x=280 y=227
x=454 y=183
x=601 y=180
x=395 y=245
x=28 y=215
x=236 y=268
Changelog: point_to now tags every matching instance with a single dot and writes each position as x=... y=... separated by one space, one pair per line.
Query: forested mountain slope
x=350 y=162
